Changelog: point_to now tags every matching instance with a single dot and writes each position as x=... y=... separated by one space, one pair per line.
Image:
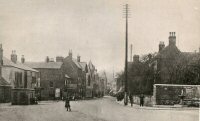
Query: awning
x=67 y=76
x=121 y=90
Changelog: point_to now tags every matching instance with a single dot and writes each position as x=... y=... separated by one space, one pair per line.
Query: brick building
x=50 y=77
x=65 y=77
x=170 y=62
x=75 y=70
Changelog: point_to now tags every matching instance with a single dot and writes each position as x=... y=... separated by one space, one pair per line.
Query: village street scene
x=74 y=60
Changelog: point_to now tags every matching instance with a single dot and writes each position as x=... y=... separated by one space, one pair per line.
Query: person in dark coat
x=131 y=99
x=67 y=104
x=141 y=100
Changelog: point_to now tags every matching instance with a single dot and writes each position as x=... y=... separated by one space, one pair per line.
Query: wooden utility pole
x=131 y=53
x=126 y=58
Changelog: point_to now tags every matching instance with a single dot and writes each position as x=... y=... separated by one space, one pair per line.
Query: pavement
x=102 y=109
x=160 y=107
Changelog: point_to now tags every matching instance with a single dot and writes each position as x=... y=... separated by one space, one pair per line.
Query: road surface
x=102 y=109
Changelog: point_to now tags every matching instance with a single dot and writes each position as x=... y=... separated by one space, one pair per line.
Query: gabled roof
x=91 y=66
x=7 y=62
x=168 y=51
x=45 y=65
x=3 y=82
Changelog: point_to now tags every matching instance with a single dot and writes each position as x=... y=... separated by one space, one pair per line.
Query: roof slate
x=7 y=62
x=45 y=65
x=77 y=63
x=3 y=82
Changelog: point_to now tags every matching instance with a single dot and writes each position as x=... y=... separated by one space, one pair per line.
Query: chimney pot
x=79 y=58
x=136 y=58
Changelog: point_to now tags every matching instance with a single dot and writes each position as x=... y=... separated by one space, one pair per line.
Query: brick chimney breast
x=161 y=45
x=1 y=55
x=14 y=56
x=22 y=59
x=136 y=58
x=59 y=59
x=70 y=54
x=172 y=39
x=47 y=59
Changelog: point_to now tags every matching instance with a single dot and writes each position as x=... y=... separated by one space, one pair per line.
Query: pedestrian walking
x=131 y=99
x=141 y=100
x=67 y=104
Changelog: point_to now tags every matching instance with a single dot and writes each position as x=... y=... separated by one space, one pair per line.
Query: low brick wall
x=5 y=94
x=169 y=94
x=21 y=96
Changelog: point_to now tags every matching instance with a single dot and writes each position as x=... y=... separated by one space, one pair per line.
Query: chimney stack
x=199 y=50
x=79 y=58
x=59 y=59
x=136 y=58
x=161 y=45
x=22 y=59
x=1 y=55
x=47 y=59
x=70 y=54
x=14 y=56
x=1 y=59
x=172 y=39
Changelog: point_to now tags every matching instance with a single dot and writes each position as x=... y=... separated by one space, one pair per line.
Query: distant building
x=75 y=70
x=50 y=77
x=167 y=66
x=103 y=83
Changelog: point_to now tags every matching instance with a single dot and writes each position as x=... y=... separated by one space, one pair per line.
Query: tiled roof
x=77 y=63
x=83 y=65
x=3 y=82
x=168 y=52
x=45 y=65
x=7 y=62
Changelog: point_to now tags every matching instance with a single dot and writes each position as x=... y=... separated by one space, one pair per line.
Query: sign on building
x=57 y=92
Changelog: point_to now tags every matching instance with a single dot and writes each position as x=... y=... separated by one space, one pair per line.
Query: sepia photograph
x=99 y=60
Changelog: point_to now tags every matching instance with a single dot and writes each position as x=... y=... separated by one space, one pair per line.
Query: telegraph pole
x=126 y=58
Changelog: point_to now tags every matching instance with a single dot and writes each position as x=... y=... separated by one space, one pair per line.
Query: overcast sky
x=95 y=29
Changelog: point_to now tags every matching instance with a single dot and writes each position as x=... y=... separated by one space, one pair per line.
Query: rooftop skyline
x=95 y=30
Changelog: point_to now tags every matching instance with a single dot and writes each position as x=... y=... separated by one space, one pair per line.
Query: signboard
x=72 y=86
x=57 y=92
